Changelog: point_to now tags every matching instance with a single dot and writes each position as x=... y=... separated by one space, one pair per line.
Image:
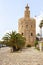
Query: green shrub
x=36 y=43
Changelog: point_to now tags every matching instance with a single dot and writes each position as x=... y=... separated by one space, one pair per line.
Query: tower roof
x=27 y=7
x=27 y=11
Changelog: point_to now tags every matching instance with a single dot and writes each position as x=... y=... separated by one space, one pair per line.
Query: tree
x=36 y=42
x=20 y=40
x=38 y=36
x=9 y=38
x=14 y=40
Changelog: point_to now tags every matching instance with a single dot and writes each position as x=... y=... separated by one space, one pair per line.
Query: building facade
x=27 y=27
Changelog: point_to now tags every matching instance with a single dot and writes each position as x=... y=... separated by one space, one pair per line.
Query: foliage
x=20 y=40
x=38 y=34
x=36 y=42
x=9 y=38
x=14 y=40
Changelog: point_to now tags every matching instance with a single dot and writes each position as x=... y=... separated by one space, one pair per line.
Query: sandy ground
x=28 y=56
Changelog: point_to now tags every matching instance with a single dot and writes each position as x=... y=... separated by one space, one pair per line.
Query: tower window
x=31 y=34
x=22 y=33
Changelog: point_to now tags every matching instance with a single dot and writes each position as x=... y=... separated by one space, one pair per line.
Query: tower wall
x=27 y=27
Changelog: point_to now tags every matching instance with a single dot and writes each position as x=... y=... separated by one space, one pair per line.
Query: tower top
x=27 y=12
x=27 y=7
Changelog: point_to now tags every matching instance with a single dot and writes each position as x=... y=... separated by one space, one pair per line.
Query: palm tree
x=14 y=40
x=8 y=38
x=20 y=40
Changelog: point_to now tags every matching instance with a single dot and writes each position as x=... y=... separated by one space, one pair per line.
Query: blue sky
x=12 y=10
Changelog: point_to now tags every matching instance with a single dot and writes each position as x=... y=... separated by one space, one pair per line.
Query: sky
x=12 y=10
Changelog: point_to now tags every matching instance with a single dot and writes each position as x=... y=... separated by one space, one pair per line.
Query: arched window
x=31 y=34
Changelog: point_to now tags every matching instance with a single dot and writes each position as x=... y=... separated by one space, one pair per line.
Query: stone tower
x=27 y=27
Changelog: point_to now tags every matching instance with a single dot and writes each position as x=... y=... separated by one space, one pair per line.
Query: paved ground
x=29 y=56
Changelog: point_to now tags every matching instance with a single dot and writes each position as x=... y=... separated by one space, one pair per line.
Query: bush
x=36 y=43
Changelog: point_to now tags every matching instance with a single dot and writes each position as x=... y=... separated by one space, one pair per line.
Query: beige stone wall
x=27 y=27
